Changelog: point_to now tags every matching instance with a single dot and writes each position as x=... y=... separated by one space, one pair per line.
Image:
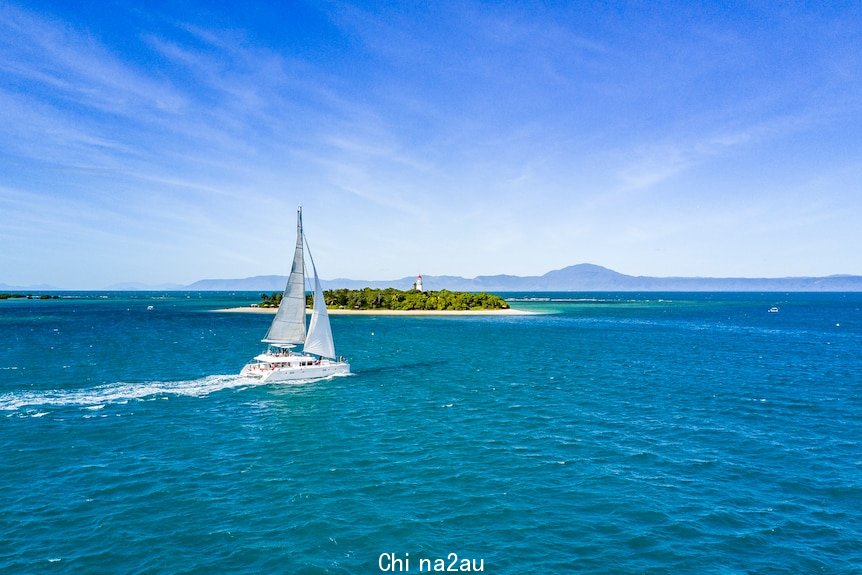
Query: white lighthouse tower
x=417 y=285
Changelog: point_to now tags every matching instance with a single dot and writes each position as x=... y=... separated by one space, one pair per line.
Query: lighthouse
x=417 y=285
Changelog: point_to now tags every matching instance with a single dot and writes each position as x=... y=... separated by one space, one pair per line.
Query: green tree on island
x=393 y=299
x=27 y=296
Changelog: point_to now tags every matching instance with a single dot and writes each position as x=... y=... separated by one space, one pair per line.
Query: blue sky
x=168 y=142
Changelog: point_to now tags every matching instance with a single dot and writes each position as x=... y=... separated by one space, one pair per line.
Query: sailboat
x=317 y=360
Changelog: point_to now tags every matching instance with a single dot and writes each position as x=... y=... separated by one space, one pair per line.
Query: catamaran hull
x=297 y=373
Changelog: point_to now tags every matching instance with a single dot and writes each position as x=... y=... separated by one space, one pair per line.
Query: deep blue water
x=623 y=433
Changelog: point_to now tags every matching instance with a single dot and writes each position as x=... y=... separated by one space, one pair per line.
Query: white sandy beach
x=414 y=312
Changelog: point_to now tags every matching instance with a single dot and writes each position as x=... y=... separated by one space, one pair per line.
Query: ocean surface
x=616 y=433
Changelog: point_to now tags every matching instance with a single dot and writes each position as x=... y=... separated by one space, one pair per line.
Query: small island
x=390 y=301
x=393 y=299
x=26 y=296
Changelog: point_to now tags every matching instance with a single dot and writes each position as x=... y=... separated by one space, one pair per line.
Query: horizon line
x=175 y=286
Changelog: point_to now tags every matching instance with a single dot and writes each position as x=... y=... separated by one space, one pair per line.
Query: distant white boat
x=317 y=360
x=773 y=309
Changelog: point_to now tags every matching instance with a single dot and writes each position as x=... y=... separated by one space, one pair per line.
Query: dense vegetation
x=28 y=296
x=267 y=300
x=391 y=298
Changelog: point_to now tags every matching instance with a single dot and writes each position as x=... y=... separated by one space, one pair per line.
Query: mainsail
x=288 y=326
x=319 y=340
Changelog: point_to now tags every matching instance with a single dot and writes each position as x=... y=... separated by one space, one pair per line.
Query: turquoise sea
x=621 y=433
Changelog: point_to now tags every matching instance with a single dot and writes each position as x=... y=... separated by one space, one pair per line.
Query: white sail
x=319 y=340
x=288 y=326
x=277 y=364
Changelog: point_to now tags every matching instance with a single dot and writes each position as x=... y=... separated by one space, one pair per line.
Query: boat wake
x=119 y=393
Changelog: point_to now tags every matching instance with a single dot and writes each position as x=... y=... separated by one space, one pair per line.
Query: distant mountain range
x=581 y=277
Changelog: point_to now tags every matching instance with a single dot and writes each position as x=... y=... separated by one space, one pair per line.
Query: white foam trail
x=121 y=392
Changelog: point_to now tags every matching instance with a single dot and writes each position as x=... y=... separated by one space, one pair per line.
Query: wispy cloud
x=76 y=67
x=656 y=162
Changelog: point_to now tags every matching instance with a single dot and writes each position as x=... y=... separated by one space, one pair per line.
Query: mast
x=288 y=326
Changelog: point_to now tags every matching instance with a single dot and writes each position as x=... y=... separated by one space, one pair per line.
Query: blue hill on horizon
x=579 y=277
